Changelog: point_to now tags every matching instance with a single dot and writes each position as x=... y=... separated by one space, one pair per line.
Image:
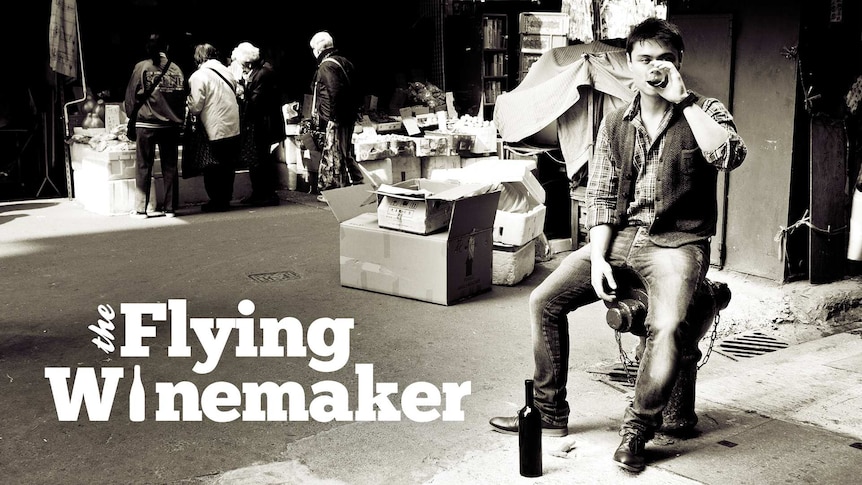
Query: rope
x=781 y=235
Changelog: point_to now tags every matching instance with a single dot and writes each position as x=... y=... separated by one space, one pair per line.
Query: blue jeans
x=671 y=276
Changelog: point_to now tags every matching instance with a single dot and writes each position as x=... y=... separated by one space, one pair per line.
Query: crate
x=117 y=166
x=107 y=196
x=546 y=23
x=537 y=43
x=527 y=61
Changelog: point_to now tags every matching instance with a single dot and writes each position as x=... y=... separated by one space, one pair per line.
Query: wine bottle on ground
x=530 y=435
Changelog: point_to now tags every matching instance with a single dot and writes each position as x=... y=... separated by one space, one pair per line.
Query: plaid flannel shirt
x=602 y=190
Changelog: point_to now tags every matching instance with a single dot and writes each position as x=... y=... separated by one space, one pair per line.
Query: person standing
x=212 y=97
x=262 y=121
x=651 y=207
x=334 y=112
x=159 y=86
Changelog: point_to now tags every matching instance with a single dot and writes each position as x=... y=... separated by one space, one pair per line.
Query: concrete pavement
x=784 y=416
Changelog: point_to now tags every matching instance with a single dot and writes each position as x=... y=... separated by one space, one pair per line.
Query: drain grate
x=274 y=277
x=615 y=373
x=751 y=345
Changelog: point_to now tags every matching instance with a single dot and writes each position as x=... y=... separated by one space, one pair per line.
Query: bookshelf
x=495 y=60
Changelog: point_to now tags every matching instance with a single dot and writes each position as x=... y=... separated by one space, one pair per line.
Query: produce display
x=427 y=95
x=94 y=111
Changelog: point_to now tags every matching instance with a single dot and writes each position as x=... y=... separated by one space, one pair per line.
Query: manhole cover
x=751 y=345
x=273 y=277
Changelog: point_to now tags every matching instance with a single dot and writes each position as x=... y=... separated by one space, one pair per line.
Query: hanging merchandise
x=617 y=17
x=580 y=14
x=853 y=97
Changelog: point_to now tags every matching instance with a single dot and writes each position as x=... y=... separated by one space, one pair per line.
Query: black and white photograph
x=431 y=242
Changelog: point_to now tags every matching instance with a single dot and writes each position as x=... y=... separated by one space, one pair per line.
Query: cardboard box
x=512 y=264
x=521 y=216
x=388 y=126
x=432 y=164
x=392 y=170
x=484 y=138
x=422 y=206
x=441 y=268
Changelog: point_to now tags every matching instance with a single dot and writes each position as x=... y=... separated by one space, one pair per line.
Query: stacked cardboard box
x=420 y=239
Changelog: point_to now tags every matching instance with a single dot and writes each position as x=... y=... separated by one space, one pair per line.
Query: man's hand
x=675 y=91
x=331 y=125
x=602 y=278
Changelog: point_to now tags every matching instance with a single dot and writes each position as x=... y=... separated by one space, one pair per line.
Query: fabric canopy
x=571 y=86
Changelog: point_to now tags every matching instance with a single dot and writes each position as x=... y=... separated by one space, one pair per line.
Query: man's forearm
x=600 y=241
x=710 y=135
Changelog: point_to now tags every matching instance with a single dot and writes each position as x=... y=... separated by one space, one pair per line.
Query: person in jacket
x=262 y=121
x=159 y=121
x=651 y=207
x=334 y=111
x=212 y=97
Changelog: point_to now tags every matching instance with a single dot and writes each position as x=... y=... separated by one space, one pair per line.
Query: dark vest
x=685 y=202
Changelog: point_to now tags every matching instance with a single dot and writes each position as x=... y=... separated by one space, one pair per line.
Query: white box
x=512 y=264
x=521 y=215
x=441 y=268
x=104 y=196
x=120 y=165
x=514 y=229
x=392 y=170
x=422 y=206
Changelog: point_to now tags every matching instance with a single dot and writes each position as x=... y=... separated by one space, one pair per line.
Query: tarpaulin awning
x=572 y=86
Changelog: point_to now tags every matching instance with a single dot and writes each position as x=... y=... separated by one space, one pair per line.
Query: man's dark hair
x=658 y=30
x=156 y=44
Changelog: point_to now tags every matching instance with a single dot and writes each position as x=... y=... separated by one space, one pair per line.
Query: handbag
x=197 y=154
x=131 y=127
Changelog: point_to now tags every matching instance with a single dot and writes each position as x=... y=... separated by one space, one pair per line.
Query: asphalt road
x=59 y=264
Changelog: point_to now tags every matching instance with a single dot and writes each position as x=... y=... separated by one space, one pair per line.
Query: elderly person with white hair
x=335 y=109
x=262 y=123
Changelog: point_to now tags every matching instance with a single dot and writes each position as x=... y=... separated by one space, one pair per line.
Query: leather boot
x=630 y=454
